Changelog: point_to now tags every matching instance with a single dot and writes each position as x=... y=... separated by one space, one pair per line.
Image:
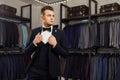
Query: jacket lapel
x=54 y=31
x=40 y=29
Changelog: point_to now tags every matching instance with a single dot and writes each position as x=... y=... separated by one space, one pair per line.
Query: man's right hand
x=37 y=39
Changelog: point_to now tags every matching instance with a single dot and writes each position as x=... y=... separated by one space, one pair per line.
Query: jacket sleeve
x=30 y=48
x=61 y=48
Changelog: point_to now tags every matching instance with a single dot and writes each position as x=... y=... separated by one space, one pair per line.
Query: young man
x=46 y=43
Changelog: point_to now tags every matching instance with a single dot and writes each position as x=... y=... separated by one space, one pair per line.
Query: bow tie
x=47 y=29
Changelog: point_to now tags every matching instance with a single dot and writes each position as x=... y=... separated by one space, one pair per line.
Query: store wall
x=36 y=16
x=57 y=13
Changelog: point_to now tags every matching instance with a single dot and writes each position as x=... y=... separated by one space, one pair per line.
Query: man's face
x=48 y=18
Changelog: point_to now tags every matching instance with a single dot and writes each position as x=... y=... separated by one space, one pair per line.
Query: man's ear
x=41 y=17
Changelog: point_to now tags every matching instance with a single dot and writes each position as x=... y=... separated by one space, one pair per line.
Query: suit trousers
x=34 y=74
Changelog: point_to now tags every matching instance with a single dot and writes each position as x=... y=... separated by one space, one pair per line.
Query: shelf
x=74 y=18
x=108 y=14
x=81 y=51
x=13 y=18
x=15 y=50
x=95 y=51
x=10 y=51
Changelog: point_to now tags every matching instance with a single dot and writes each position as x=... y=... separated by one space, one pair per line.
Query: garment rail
x=11 y=51
x=9 y=20
x=96 y=51
x=83 y=51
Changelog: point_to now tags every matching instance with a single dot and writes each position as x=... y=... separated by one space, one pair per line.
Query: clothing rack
x=13 y=61
x=96 y=4
x=110 y=51
x=30 y=11
x=10 y=52
x=7 y=51
x=66 y=20
x=61 y=11
x=18 y=19
x=78 y=51
x=92 y=52
x=9 y=20
x=89 y=17
x=14 y=18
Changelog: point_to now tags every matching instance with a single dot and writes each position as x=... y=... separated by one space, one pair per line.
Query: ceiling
x=32 y=2
x=42 y=2
x=51 y=1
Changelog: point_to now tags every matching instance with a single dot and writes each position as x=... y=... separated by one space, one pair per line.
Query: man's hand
x=37 y=39
x=52 y=41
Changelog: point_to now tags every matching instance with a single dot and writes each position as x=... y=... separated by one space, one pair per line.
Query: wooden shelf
x=15 y=18
x=74 y=19
x=108 y=14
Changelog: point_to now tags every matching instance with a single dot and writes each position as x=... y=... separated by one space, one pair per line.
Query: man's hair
x=46 y=8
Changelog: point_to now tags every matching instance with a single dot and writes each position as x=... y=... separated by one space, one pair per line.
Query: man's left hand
x=52 y=41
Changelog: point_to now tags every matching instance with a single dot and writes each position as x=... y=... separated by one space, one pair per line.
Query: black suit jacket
x=59 y=49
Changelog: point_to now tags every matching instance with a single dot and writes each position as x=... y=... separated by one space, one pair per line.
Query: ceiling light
x=51 y=2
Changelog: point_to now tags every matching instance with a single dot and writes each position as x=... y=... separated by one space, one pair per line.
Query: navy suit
x=53 y=53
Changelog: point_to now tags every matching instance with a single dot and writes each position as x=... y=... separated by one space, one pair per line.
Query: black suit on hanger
x=53 y=53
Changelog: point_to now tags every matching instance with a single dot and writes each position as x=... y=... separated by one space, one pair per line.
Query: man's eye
x=49 y=15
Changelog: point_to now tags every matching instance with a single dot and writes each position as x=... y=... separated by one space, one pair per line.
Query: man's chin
x=50 y=24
